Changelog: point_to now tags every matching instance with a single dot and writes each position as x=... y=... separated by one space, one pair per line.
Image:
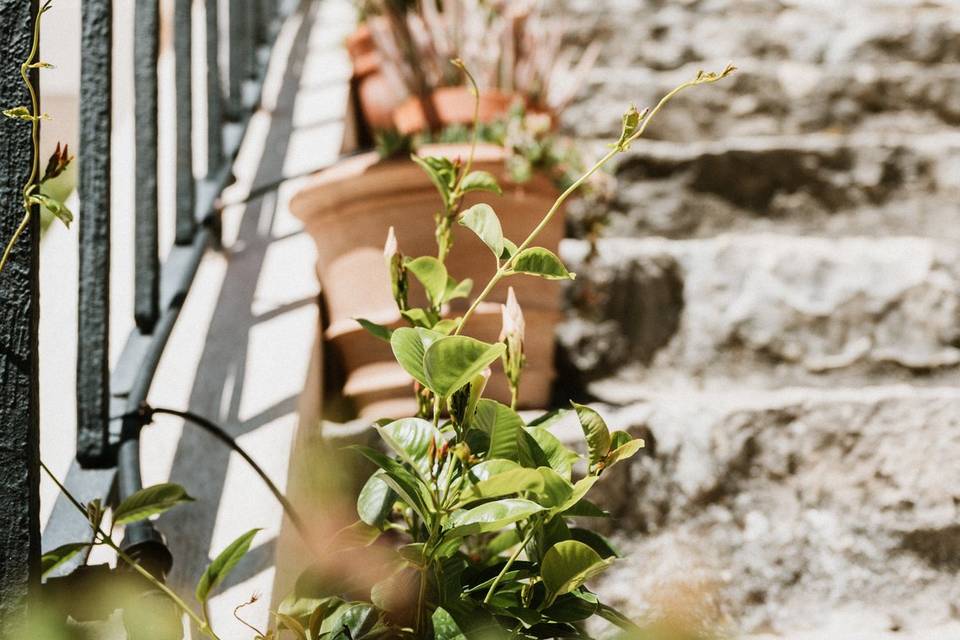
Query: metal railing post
x=19 y=324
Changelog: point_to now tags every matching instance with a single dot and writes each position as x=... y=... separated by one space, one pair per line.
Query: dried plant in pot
x=513 y=49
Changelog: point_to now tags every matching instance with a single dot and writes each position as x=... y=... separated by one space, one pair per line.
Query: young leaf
x=291 y=625
x=407 y=486
x=506 y=483
x=453 y=361
x=223 y=564
x=376 y=330
x=411 y=438
x=432 y=275
x=504 y=426
x=53 y=559
x=568 y=565
x=623 y=452
x=54 y=206
x=150 y=502
x=19 y=113
x=422 y=318
x=492 y=516
x=409 y=346
x=375 y=501
x=457 y=290
x=596 y=432
x=480 y=181
x=442 y=173
x=483 y=221
x=561 y=458
x=537 y=261
x=556 y=490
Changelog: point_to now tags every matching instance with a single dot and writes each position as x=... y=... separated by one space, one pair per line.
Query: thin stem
x=617 y=149
x=203 y=625
x=476 y=125
x=506 y=567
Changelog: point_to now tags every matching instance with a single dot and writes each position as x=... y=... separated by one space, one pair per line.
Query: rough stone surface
x=776 y=512
x=766 y=310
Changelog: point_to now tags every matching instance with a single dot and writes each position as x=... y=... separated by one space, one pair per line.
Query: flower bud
x=398 y=272
x=514 y=326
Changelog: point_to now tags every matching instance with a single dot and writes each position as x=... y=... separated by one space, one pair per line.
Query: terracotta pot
x=348 y=210
x=378 y=100
x=452 y=105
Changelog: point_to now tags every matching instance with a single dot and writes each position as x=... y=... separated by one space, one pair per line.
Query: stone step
x=853 y=184
x=778 y=512
x=762 y=311
x=667 y=35
x=774 y=97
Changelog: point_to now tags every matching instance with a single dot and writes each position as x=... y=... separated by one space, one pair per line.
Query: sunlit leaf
x=451 y=362
x=491 y=516
x=537 y=261
x=148 y=502
x=432 y=275
x=480 y=181
x=223 y=564
x=483 y=221
x=568 y=565
x=596 y=432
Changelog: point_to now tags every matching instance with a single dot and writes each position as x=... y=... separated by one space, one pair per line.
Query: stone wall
x=776 y=309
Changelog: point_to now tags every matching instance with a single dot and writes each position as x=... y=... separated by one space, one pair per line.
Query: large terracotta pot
x=348 y=211
x=378 y=99
x=452 y=105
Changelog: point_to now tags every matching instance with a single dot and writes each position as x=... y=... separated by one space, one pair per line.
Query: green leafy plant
x=477 y=510
x=32 y=194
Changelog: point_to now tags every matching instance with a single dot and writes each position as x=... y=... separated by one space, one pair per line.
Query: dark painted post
x=93 y=346
x=146 y=258
x=19 y=315
x=186 y=195
x=214 y=90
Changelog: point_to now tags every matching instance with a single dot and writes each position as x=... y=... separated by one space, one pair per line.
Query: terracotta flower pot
x=378 y=100
x=452 y=105
x=348 y=211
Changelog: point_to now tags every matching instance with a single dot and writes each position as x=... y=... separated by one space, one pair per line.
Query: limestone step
x=778 y=512
x=854 y=184
x=774 y=97
x=666 y=35
x=763 y=311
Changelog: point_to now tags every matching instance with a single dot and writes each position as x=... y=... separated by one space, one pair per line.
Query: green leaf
x=19 y=113
x=409 y=346
x=568 y=565
x=561 y=458
x=548 y=419
x=503 y=425
x=354 y=619
x=492 y=516
x=537 y=261
x=442 y=173
x=424 y=318
x=596 y=432
x=376 y=330
x=150 y=502
x=410 y=438
x=616 y=618
x=480 y=181
x=483 y=221
x=622 y=452
x=54 y=206
x=445 y=627
x=375 y=501
x=432 y=275
x=556 y=490
x=580 y=488
x=407 y=486
x=452 y=361
x=573 y=607
x=516 y=480
x=585 y=509
x=223 y=564
x=457 y=290
x=53 y=559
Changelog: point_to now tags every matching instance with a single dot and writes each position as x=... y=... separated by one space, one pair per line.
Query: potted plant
x=349 y=208
x=513 y=50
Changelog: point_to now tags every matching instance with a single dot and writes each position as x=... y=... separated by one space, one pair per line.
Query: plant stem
x=34 y=136
x=617 y=149
x=506 y=567
x=203 y=625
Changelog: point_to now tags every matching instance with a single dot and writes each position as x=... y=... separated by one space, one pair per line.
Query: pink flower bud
x=391 y=248
x=514 y=325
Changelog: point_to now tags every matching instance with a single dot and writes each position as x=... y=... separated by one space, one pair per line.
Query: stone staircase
x=776 y=309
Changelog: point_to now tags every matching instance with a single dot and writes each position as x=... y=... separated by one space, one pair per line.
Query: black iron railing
x=238 y=46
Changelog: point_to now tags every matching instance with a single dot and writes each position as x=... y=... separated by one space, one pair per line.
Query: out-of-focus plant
x=510 y=46
x=475 y=512
x=32 y=194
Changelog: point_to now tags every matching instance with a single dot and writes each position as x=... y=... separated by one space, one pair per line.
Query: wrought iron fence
x=238 y=43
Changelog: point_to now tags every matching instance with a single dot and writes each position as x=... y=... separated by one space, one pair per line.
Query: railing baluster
x=93 y=347
x=241 y=46
x=146 y=259
x=214 y=89
x=19 y=315
x=186 y=195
